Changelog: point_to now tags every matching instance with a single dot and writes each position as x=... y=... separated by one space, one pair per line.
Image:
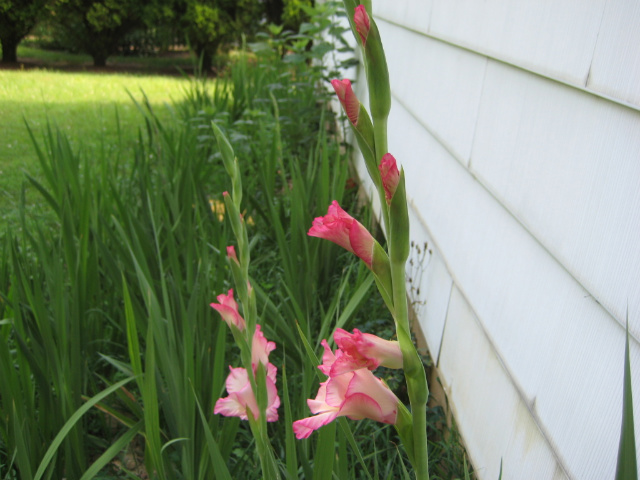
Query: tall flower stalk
x=388 y=268
x=252 y=393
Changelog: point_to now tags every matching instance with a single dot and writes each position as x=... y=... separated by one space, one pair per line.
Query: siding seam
x=595 y=45
x=475 y=124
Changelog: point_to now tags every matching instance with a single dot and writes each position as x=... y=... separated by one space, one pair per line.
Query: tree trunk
x=99 y=60
x=9 y=49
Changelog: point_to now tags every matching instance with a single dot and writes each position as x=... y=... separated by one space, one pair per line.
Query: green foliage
x=96 y=27
x=295 y=12
x=208 y=23
x=17 y=18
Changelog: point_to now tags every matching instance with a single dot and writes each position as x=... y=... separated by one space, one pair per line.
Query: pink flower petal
x=341 y=228
x=228 y=310
x=237 y=380
x=362 y=242
x=327 y=358
x=363 y=350
x=273 y=400
x=230 y=407
x=364 y=382
x=260 y=348
x=305 y=427
x=334 y=226
x=359 y=406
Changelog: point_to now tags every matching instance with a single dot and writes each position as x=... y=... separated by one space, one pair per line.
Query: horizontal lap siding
x=615 y=70
x=567 y=164
x=560 y=347
x=551 y=37
x=486 y=404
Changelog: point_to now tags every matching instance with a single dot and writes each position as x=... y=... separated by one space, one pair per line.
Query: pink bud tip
x=390 y=175
x=231 y=253
x=363 y=24
x=225 y=194
x=347 y=98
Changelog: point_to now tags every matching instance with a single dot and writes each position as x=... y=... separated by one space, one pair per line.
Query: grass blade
x=627 y=468
x=325 y=453
x=112 y=451
x=66 y=428
x=219 y=466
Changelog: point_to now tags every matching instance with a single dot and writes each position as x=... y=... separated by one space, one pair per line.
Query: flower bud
x=347 y=98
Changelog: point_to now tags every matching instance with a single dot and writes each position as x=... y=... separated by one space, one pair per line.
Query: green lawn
x=83 y=105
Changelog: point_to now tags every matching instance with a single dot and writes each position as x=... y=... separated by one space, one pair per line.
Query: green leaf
x=66 y=428
x=219 y=466
x=112 y=451
x=325 y=453
x=627 y=468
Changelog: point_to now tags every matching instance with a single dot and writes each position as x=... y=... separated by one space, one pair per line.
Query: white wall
x=518 y=125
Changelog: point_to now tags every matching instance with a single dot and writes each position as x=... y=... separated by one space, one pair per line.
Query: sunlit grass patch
x=93 y=110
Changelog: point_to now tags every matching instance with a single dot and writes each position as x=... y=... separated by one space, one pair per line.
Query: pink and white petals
x=228 y=310
x=390 y=175
x=260 y=349
x=348 y=99
x=364 y=350
x=362 y=22
x=357 y=395
x=341 y=228
x=241 y=398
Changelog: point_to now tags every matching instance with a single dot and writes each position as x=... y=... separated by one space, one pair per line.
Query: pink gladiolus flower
x=339 y=227
x=347 y=98
x=357 y=395
x=390 y=175
x=361 y=19
x=260 y=349
x=241 y=396
x=228 y=309
x=231 y=253
x=363 y=350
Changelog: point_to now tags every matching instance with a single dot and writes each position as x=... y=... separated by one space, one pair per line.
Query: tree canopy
x=98 y=27
x=17 y=18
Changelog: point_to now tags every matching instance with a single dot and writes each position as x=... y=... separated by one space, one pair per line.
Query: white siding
x=439 y=83
x=615 y=70
x=518 y=124
x=552 y=37
x=567 y=164
x=491 y=423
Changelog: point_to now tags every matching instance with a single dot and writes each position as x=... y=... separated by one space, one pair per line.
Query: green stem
x=413 y=370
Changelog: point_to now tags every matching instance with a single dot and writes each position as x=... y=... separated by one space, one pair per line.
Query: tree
x=207 y=24
x=17 y=18
x=97 y=27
